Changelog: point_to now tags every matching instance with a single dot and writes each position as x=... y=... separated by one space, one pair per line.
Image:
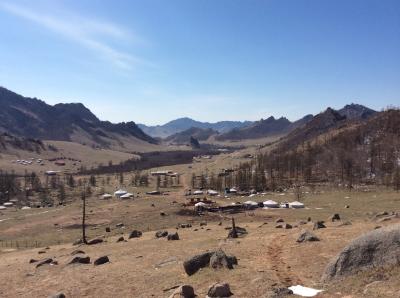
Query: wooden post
x=84 y=216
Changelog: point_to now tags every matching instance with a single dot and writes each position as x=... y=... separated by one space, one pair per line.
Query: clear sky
x=151 y=61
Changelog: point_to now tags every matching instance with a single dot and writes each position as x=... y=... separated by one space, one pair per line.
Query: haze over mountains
x=33 y=118
x=181 y=124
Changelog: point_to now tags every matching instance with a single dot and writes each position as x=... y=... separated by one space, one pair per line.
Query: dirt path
x=277 y=262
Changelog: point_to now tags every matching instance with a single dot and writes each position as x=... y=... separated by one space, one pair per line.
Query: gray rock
x=44 y=262
x=95 y=241
x=319 y=225
x=121 y=239
x=307 y=236
x=161 y=234
x=174 y=236
x=78 y=251
x=197 y=262
x=135 y=234
x=279 y=220
x=334 y=217
x=108 y=229
x=80 y=260
x=219 y=290
x=184 y=291
x=101 y=260
x=220 y=260
x=374 y=249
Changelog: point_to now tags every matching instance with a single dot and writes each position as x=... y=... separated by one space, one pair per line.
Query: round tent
x=120 y=193
x=296 y=205
x=198 y=192
x=8 y=204
x=271 y=204
x=200 y=204
x=128 y=195
x=106 y=196
x=3 y=207
x=212 y=192
x=251 y=203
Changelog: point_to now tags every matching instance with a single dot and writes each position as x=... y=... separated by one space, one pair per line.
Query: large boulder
x=102 y=260
x=307 y=236
x=220 y=260
x=197 y=262
x=80 y=260
x=44 y=262
x=219 y=290
x=174 y=236
x=95 y=241
x=184 y=291
x=334 y=217
x=214 y=259
x=377 y=248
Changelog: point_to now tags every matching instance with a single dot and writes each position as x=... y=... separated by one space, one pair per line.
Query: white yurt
x=271 y=204
x=233 y=190
x=200 y=204
x=25 y=208
x=128 y=195
x=296 y=205
x=212 y=192
x=8 y=204
x=198 y=192
x=3 y=207
x=120 y=193
x=250 y=203
x=106 y=196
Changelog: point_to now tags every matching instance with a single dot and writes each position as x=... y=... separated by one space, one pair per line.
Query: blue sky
x=155 y=60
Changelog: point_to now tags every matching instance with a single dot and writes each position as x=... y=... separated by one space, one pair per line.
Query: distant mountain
x=33 y=118
x=264 y=128
x=185 y=136
x=181 y=124
x=356 y=111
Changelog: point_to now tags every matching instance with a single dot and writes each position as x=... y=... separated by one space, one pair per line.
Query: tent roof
x=270 y=202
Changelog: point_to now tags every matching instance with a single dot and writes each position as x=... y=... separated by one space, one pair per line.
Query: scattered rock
x=220 y=260
x=44 y=262
x=334 y=217
x=135 y=234
x=57 y=295
x=101 y=260
x=279 y=226
x=41 y=252
x=279 y=220
x=75 y=252
x=163 y=214
x=307 y=236
x=287 y=226
x=95 y=241
x=32 y=261
x=119 y=225
x=174 y=236
x=80 y=260
x=219 y=290
x=220 y=223
x=309 y=219
x=121 y=239
x=184 y=291
x=161 y=234
x=197 y=262
x=319 y=225
x=108 y=229
x=386 y=218
x=203 y=223
x=377 y=248
x=183 y=226
x=380 y=214
x=347 y=206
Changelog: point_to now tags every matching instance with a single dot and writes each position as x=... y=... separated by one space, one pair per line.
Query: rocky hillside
x=264 y=128
x=33 y=118
x=183 y=137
